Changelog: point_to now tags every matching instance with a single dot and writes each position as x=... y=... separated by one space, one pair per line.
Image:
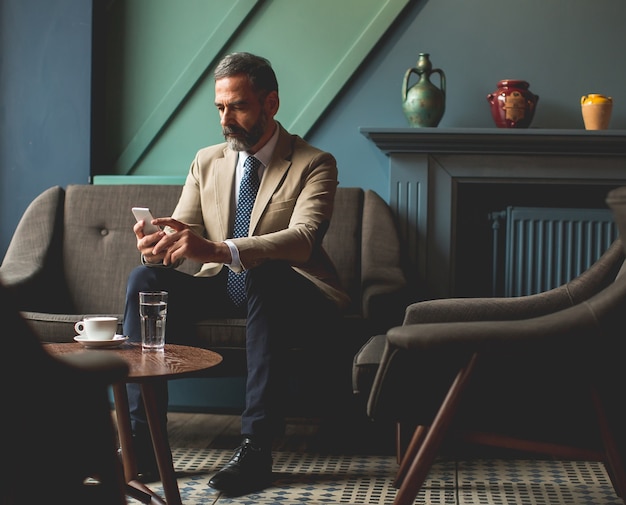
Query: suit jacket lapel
x=272 y=176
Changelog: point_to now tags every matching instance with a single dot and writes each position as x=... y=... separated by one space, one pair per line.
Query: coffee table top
x=176 y=361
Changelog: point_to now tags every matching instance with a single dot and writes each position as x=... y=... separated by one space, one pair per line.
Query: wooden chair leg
x=400 y=443
x=162 y=452
x=409 y=455
x=613 y=459
x=404 y=433
x=420 y=465
x=124 y=431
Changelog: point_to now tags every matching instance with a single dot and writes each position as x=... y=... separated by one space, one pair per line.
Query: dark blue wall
x=45 y=95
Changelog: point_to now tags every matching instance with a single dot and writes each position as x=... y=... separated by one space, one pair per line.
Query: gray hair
x=258 y=69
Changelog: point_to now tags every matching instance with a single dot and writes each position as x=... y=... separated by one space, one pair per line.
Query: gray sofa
x=73 y=249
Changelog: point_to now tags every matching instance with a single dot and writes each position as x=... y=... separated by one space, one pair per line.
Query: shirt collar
x=264 y=155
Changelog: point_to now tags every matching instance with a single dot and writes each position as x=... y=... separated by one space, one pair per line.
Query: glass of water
x=153 y=312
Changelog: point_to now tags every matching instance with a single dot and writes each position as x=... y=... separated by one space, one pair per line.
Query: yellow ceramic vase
x=596 y=111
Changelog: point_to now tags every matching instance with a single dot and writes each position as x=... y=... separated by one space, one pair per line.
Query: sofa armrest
x=384 y=283
x=384 y=302
x=481 y=309
x=597 y=277
x=32 y=265
x=563 y=330
x=596 y=320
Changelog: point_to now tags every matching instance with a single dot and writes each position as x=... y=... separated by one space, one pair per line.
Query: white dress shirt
x=264 y=155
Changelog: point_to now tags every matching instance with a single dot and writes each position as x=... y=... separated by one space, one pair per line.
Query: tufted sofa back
x=99 y=245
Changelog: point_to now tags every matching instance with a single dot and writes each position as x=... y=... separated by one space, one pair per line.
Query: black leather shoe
x=249 y=469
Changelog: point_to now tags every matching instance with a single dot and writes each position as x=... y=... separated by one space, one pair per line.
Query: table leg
x=136 y=489
x=161 y=445
x=124 y=430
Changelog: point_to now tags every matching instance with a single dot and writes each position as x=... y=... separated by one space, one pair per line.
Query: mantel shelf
x=498 y=141
x=435 y=172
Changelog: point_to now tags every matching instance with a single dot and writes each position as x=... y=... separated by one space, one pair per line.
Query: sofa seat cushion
x=221 y=333
x=58 y=328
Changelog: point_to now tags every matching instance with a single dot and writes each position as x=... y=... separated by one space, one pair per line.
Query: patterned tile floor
x=310 y=479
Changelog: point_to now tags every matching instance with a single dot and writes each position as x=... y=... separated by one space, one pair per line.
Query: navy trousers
x=283 y=309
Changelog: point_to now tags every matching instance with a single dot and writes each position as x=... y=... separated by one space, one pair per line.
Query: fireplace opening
x=476 y=202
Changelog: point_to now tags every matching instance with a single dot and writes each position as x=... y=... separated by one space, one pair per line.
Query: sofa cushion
x=99 y=246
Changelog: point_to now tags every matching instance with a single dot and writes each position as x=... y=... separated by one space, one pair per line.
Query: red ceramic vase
x=512 y=105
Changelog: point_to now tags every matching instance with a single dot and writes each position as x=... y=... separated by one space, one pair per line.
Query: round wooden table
x=147 y=369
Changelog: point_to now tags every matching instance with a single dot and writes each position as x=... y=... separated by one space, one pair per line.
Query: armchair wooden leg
x=419 y=466
x=400 y=428
x=410 y=453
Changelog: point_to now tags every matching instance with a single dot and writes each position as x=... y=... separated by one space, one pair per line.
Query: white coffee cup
x=97 y=327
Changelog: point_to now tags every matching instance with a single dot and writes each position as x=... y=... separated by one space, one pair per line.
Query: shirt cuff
x=144 y=262
x=235 y=264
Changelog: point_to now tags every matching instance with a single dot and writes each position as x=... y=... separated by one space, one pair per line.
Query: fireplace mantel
x=498 y=141
x=429 y=166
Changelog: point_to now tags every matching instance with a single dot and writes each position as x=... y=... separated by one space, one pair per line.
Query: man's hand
x=183 y=242
x=146 y=243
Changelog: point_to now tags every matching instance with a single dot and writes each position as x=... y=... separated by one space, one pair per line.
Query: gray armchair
x=540 y=373
x=60 y=444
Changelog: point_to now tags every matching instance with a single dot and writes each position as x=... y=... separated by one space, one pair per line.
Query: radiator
x=542 y=248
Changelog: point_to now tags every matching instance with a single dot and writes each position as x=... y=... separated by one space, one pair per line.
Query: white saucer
x=116 y=341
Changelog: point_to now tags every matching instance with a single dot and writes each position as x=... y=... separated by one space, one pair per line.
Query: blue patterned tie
x=248 y=189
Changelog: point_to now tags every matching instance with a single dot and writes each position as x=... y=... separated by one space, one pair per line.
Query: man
x=288 y=280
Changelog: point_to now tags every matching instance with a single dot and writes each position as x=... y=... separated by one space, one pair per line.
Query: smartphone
x=145 y=214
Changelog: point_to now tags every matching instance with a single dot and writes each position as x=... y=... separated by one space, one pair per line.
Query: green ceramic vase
x=424 y=103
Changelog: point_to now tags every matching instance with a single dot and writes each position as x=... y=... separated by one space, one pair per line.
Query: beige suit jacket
x=290 y=215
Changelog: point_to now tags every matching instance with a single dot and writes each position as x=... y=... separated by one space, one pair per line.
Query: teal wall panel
x=158 y=52
x=161 y=55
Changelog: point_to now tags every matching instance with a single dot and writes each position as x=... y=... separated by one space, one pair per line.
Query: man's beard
x=247 y=139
